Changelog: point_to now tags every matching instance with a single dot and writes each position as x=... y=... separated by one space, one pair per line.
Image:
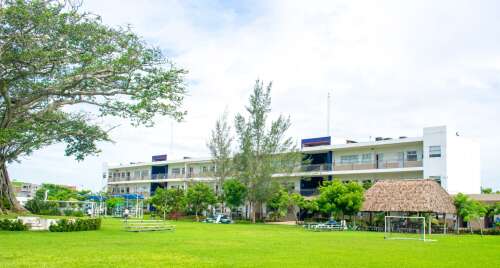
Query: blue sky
x=392 y=67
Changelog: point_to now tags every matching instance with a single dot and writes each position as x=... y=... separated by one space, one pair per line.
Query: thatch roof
x=408 y=196
x=485 y=198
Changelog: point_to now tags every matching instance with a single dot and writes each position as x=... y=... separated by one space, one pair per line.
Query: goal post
x=405 y=227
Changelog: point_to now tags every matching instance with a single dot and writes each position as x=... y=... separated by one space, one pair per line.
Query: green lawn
x=242 y=245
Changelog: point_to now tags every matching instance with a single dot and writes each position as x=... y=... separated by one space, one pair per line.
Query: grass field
x=240 y=245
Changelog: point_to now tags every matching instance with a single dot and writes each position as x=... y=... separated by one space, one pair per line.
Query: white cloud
x=392 y=67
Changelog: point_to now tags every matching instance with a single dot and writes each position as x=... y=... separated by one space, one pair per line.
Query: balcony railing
x=385 y=164
x=309 y=192
x=316 y=167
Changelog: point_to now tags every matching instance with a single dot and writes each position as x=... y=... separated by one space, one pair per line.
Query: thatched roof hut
x=408 y=196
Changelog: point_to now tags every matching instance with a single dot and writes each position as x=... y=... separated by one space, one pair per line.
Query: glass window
x=349 y=159
x=176 y=171
x=204 y=169
x=411 y=155
x=366 y=158
x=435 y=151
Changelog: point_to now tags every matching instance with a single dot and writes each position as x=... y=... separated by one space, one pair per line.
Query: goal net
x=403 y=227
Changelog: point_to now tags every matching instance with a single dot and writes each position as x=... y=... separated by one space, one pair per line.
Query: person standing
x=125 y=213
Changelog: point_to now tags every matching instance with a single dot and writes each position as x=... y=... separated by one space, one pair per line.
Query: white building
x=439 y=154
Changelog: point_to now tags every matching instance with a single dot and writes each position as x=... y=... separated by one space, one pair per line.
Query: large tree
x=264 y=149
x=53 y=56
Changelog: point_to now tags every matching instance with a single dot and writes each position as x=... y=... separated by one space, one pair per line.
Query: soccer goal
x=404 y=227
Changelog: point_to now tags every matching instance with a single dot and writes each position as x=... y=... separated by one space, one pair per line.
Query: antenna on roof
x=171 y=136
x=328 y=115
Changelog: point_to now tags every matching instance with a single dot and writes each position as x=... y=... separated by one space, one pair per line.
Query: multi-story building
x=439 y=154
x=24 y=191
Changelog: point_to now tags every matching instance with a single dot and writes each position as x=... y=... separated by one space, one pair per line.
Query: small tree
x=486 y=190
x=219 y=145
x=199 y=197
x=352 y=199
x=278 y=204
x=338 y=198
x=234 y=193
x=114 y=202
x=330 y=194
x=59 y=192
x=469 y=209
x=169 y=201
x=296 y=201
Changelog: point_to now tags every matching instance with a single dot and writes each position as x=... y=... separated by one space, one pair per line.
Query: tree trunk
x=196 y=214
x=252 y=206
x=8 y=201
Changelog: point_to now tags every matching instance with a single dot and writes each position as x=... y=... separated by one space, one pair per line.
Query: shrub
x=40 y=207
x=12 y=225
x=77 y=213
x=75 y=225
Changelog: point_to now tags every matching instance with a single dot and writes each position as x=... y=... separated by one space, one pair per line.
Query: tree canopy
x=338 y=198
x=53 y=56
x=199 y=196
x=234 y=193
x=169 y=201
x=469 y=209
x=60 y=192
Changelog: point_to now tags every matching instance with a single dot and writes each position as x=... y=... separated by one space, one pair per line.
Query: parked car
x=219 y=218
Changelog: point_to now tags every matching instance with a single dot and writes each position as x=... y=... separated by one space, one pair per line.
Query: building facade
x=439 y=154
x=24 y=191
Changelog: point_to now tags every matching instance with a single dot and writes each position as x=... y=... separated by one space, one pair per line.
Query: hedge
x=65 y=225
x=12 y=225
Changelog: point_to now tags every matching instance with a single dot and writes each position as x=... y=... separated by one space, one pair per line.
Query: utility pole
x=328 y=115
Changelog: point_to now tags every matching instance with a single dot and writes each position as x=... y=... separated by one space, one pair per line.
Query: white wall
x=435 y=166
x=463 y=165
x=459 y=164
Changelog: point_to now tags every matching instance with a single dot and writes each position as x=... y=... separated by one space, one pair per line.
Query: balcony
x=315 y=167
x=385 y=164
x=309 y=191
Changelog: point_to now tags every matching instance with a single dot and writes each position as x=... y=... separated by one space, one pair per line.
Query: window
x=176 y=171
x=212 y=168
x=435 y=151
x=204 y=169
x=349 y=159
x=411 y=156
x=183 y=170
x=366 y=158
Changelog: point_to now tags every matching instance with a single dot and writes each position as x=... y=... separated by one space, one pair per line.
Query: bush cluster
x=10 y=225
x=40 y=207
x=65 y=225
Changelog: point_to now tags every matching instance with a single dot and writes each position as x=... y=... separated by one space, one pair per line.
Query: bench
x=324 y=227
x=147 y=225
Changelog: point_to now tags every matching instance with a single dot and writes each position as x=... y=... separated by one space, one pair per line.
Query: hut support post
x=430 y=226
x=445 y=228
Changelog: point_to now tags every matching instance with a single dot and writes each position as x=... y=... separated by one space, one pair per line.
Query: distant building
x=24 y=191
x=440 y=154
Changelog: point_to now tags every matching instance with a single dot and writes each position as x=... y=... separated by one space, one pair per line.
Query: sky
x=391 y=67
